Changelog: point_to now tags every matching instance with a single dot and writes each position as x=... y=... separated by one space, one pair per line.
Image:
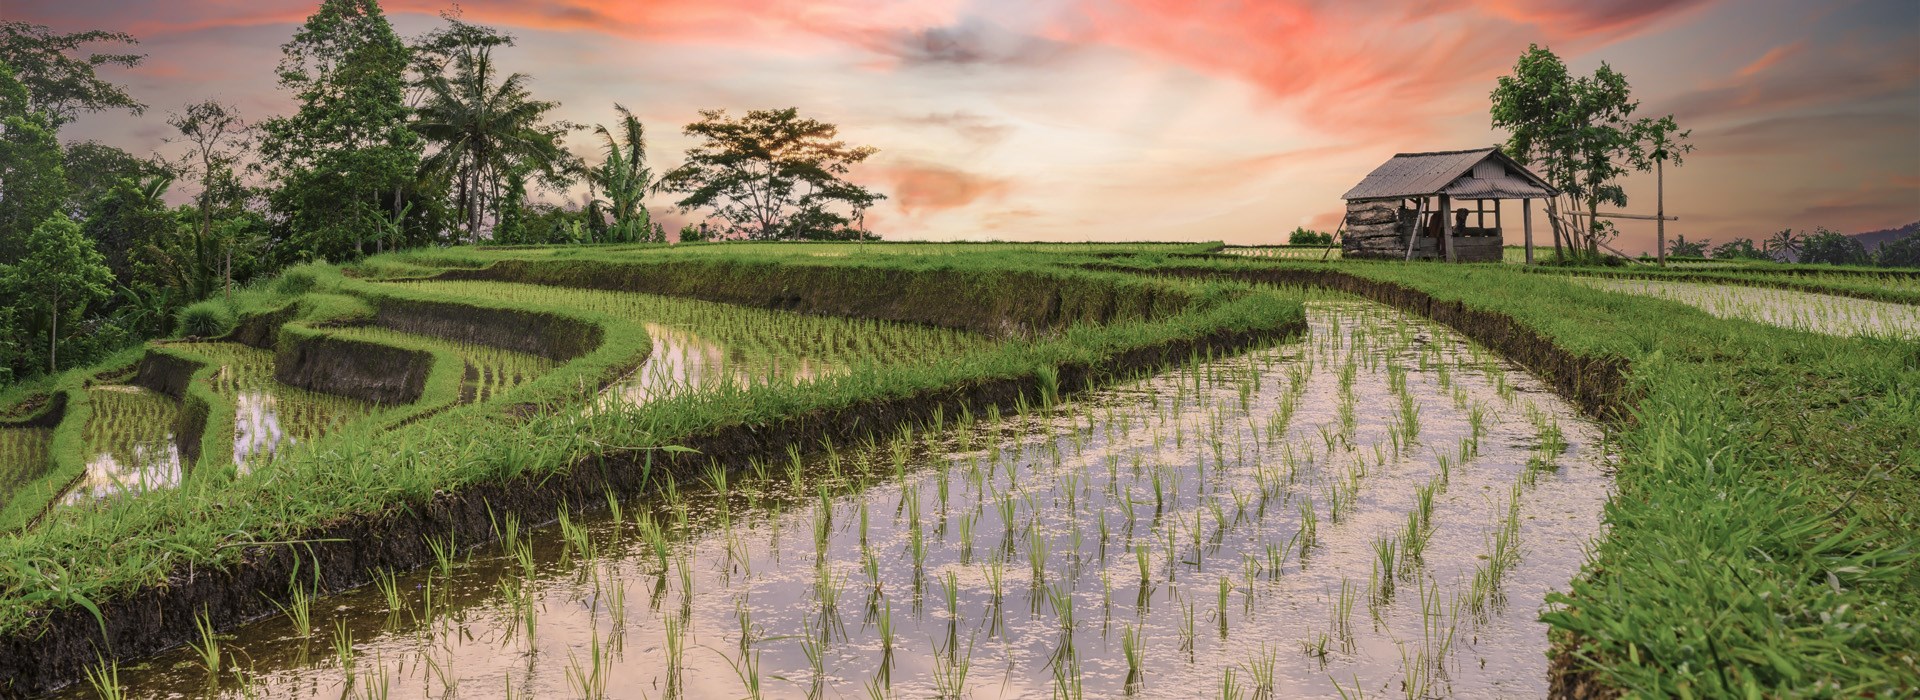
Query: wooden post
x=1526 y=222
x=1660 y=209
x=1446 y=226
x=1419 y=212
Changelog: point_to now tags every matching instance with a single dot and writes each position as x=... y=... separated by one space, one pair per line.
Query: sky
x=1168 y=120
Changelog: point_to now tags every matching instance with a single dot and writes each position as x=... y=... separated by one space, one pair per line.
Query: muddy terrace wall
x=56 y=652
x=552 y=336
x=261 y=330
x=51 y=410
x=997 y=303
x=374 y=372
x=172 y=375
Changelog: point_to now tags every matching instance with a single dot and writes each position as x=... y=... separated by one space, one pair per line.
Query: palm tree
x=1783 y=245
x=624 y=178
x=484 y=131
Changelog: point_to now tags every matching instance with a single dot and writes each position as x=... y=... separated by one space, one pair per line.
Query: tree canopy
x=346 y=154
x=1579 y=132
x=774 y=175
x=33 y=182
x=60 y=83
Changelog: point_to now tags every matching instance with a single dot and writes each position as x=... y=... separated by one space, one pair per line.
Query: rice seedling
x=950 y=668
x=1037 y=554
x=104 y=679
x=1385 y=550
x=1186 y=627
x=343 y=652
x=1220 y=605
x=298 y=609
x=1230 y=686
x=1261 y=668
x=207 y=647
x=1132 y=640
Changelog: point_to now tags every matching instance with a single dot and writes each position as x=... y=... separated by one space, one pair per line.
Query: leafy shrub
x=1832 y=248
x=1303 y=236
x=208 y=319
x=1902 y=252
x=296 y=282
x=1739 y=249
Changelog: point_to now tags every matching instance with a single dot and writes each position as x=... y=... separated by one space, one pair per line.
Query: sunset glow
x=1154 y=119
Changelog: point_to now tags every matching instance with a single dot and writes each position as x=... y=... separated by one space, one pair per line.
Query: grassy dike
x=1891 y=286
x=1762 y=542
x=126 y=581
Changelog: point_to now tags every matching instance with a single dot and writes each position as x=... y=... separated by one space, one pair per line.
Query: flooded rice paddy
x=700 y=342
x=130 y=442
x=25 y=455
x=1818 y=313
x=269 y=414
x=1379 y=509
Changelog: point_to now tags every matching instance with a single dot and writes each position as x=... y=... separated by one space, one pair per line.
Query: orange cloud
x=1368 y=68
x=1772 y=56
x=925 y=187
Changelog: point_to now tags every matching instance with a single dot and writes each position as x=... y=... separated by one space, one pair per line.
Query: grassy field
x=1755 y=539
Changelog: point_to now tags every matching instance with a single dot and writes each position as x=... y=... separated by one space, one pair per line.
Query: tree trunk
x=1553 y=222
x=53 y=337
x=1593 y=227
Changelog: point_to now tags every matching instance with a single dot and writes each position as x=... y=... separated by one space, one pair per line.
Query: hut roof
x=1451 y=173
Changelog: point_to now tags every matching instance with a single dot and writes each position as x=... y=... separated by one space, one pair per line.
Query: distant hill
x=1873 y=239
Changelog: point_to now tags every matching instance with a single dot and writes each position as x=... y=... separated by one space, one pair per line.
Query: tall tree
x=128 y=218
x=59 y=82
x=33 y=183
x=623 y=179
x=64 y=272
x=216 y=137
x=1783 y=245
x=486 y=128
x=1580 y=133
x=94 y=168
x=1832 y=248
x=347 y=148
x=774 y=175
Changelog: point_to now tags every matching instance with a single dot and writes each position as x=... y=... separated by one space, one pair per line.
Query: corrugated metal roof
x=1503 y=188
x=1420 y=174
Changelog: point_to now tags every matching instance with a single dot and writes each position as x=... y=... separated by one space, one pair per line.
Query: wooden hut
x=1406 y=208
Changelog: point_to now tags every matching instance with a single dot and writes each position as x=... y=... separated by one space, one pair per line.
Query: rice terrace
x=420 y=384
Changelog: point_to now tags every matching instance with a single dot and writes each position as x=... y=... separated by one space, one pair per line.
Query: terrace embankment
x=551 y=336
x=368 y=371
x=54 y=649
x=1010 y=303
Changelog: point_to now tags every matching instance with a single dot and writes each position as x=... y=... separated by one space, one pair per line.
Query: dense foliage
x=393 y=143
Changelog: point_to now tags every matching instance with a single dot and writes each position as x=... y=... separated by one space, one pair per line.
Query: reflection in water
x=1225 y=519
x=256 y=426
x=269 y=415
x=130 y=443
x=682 y=360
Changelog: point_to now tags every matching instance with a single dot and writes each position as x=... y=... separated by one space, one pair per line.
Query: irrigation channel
x=1379 y=509
x=1818 y=313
